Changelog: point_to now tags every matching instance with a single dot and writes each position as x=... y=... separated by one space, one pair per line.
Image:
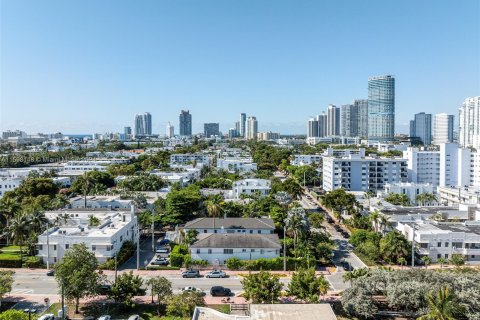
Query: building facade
x=381 y=108
x=169 y=130
x=443 y=128
x=143 y=125
x=362 y=109
x=333 y=121
x=242 y=124
x=185 y=123
x=211 y=129
x=251 y=128
x=421 y=127
x=469 y=123
x=423 y=166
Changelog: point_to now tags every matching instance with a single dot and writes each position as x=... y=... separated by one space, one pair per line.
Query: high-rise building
x=185 y=123
x=127 y=131
x=469 y=123
x=322 y=125
x=362 y=109
x=169 y=130
x=333 y=121
x=211 y=129
x=243 y=120
x=381 y=108
x=443 y=128
x=312 y=128
x=251 y=128
x=421 y=127
x=349 y=120
x=143 y=124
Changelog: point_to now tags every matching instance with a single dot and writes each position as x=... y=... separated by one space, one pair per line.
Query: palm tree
x=296 y=222
x=442 y=261
x=87 y=184
x=368 y=195
x=93 y=221
x=59 y=202
x=374 y=218
x=214 y=209
x=402 y=261
x=18 y=230
x=37 y=220
x=8 y=209
x=426 y=261
x=442 y=306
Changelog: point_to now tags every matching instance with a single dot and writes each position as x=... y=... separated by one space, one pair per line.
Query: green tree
x=316 y=219
x=340 y=201
x=6 y=282
x=297 y=223
x=305 y=285
x=426 y=261
x=18 y=230
x=77 y=272
x=293 y=188
x=183 y=305
x=442 y=262
x=214 y=208
x=126 y=288
x=181 y=205
x=93 y=221
x=399 y=199
x=13 y=315
x=457 y=260
x=191 y=236
x=162 y=288
x=393 y=246
x=262 y=287
x=443 y=306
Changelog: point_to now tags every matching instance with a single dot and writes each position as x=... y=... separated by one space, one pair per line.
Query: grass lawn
x=365 y=259
x=10 y=253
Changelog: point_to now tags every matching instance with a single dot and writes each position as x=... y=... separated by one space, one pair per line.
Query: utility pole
x=153 y=231
x=138 y=247
x=413 y=245
x=63 y=300
x=284 y=248
x=116 y=267
x=48 y=249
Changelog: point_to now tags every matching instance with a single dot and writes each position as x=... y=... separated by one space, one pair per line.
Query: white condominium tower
x=242 y=124
x=443 y=128
x=333 y=121
x=251 y=128
x=381 y=108
x=170 y=130
x=143 y=124
x=469 y=123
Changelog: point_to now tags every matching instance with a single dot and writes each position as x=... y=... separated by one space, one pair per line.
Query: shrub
x=235 y=264
x=275 y=264
x=180 y=249
x=176 y=259
x=10 y=263
x=33 y=262
x=125 y=253
x=160 y=268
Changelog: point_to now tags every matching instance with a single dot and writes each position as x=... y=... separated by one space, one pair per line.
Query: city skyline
x=167 y=56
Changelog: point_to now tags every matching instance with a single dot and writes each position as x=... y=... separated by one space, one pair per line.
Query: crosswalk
x=22 y=291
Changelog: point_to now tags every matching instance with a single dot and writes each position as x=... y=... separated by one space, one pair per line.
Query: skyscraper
x=185 y=121
x=469 y=123
x=251 y=128
x=243 y=120
x=169 y=130
x=312 y=128
x=421 y=127
x=362 y=109
x=211 y=129
x=443 y=128
x=381 y=108
x=322 y=125
x=127 y=131
x=349 y=120
x=333 y=121
x=143 y=125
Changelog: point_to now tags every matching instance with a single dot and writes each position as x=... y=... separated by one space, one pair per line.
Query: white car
x=134 y=317
x=105 y=318
x=215 y=274
x=190 y=289
x=47 y=316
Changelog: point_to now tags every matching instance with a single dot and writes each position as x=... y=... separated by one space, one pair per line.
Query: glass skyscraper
x=381 y=108
x=185 y=123
x=421 y=127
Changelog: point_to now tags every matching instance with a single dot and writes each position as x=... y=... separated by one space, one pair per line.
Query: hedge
x=125 y=253
x=176 y=259
x=10 y=263
x=33 y=262
x=275 y=264
x=160 y=268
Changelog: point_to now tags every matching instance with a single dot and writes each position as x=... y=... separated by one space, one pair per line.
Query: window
x=67 y=246
x=251 y=231
x=54 y=247
x=439 y=256
x=40 y=247
x=209 y=251
x=94 y=248
x=227 y=251
x=121 y=238
x=439 y=244
x=259 y=231
x=198 y=250
x=446 y=255
x=244 y=250
x=446 y=244
x=204 y=231
x=261 y=251
x=252 y=250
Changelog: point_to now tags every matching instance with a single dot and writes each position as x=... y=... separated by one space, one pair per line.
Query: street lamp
x=30 y=311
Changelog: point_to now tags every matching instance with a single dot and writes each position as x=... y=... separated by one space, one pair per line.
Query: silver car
x=216 y=274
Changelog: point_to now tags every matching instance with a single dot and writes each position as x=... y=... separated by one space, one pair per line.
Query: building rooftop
x=399 y=210
x=231 y=223
x=234 y=240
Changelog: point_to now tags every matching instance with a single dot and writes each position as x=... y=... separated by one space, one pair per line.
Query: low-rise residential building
x=104 y=240
x=9 y=184
x=231 y=225
x=251 y=186
x=100 y=202
x=306 y=159
x=216 y=248
x=188 y=158
x=412 y=190
x=458 y=195
x=82 y=166
x=355 y=172
x=237 y=164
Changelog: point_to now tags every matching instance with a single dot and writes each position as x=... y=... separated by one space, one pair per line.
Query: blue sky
x=89 y=66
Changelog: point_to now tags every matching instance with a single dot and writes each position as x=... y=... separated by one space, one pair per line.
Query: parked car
x=162 y=250
x=105 y=289
x=329 y=219
x=190 y=289
x=338 y=228
x=191 y=274
x=347 y=266
x=218 y=291
x=163 y=242
x=134 y=317
x=105 y=317
x=160 y=262
x=50 y=273
x=48 y=316
x=216 y=274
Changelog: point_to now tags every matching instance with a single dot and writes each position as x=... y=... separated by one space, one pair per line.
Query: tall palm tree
x=442 y=306
x=87 y=184
x=37 y=220
x=59 y=202
x=374 y=218
x=9 y=207
x=368 y=195
x=297 y=223
x=18 y=230
x=214 y=209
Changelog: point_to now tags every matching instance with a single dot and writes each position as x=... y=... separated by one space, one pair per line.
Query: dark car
x=218 y=291
x=191 y=274
x=50 y=273
x=329 y=219
x=347 y=266
x=338 y=228
x=105 y=289
x=160 y=262
x=164 y=242
x=346 y=235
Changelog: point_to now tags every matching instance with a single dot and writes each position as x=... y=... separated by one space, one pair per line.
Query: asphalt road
x=40 y=283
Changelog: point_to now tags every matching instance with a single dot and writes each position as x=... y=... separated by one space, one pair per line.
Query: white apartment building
x=357 y=173
x=237 y=164
x=423 y=165
x=187 y=158
x=101 y=202
x=452 y=196
x=105 y=240
x=469 y=123
x=250 y=187
x=454 y=165
x=443 y=128
x=306 y=159
x=9 y=184
x=412 y=190
x=82 y=166
x=231 y=225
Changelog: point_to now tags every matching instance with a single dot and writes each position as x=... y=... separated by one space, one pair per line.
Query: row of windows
x=230 y=251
